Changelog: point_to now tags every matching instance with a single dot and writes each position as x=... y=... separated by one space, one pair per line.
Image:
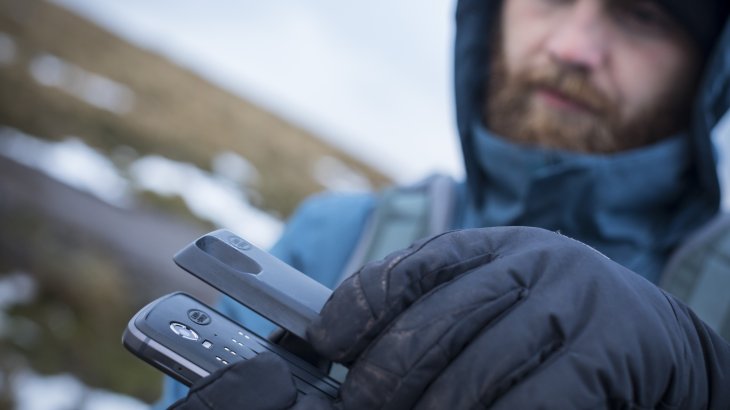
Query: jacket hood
x=474 y=18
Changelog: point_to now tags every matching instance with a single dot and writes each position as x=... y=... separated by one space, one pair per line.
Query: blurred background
x=127 y=129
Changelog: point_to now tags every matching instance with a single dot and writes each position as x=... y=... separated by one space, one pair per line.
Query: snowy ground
x=58 y=392
x=216 y=197
x=65 y=392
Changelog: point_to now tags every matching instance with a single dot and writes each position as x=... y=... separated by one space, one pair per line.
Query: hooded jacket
x=639 y=233
x=634 y=206
x=602 y=201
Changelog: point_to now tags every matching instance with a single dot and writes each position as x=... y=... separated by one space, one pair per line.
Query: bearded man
x=591 y=118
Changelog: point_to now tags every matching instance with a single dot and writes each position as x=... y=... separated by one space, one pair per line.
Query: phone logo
x=198 y=316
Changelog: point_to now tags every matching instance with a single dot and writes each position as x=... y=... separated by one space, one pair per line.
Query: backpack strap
x=403 y=215
x=699 y=274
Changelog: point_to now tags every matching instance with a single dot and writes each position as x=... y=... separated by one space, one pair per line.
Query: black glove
x=516 y=318
x=262 y=383
x=503 y=318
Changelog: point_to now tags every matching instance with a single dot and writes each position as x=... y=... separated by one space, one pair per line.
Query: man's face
x=595 y=76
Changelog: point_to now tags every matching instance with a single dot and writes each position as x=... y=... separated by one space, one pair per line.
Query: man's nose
x=581 y=37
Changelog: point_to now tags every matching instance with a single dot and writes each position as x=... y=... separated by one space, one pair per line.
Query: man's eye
x=557 y=2
x=644 y=15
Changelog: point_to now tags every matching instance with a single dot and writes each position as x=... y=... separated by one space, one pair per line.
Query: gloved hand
x=516 y=318
x=507 y=318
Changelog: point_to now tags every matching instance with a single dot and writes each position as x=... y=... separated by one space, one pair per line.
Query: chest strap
x=699 y=274
x=403 y=215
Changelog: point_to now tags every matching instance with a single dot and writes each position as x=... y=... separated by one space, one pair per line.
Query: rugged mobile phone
x=256 y=279
x=188 y=340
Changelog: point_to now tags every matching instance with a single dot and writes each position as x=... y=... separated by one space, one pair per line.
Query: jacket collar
x=627 y=205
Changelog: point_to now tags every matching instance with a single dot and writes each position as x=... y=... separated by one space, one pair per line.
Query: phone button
x=184 y=331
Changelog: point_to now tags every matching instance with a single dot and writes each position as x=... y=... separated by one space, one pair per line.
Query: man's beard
x=513 y=112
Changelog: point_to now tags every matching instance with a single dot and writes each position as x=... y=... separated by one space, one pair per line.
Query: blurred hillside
x=74 y=267
x=70 y=77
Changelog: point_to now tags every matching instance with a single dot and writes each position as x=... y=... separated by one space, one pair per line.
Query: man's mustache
x=571 y=83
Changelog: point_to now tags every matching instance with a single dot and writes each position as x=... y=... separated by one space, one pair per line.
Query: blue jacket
x=599 y=200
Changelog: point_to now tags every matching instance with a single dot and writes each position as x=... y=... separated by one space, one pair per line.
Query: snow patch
x=70 y=161
x=65 y=392
x=95 y=89
x=209 y=196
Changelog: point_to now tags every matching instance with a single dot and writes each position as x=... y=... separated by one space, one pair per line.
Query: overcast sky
x=372 y=77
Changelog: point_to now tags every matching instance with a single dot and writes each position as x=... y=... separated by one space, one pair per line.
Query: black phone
x=255 y=279
x=188 y=340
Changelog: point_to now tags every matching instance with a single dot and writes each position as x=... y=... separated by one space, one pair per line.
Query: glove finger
x=503 y=353
x=261 y=383
x=589 y=333
x=369 y=300
x=395 y=370
x=630 y=357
